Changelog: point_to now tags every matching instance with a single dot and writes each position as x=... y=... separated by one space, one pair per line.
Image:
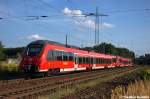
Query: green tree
x=108 y=48
x=13 y=52
x=1 y=51
x=105 y=48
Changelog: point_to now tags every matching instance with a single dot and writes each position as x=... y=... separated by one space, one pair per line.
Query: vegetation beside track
x=8 y=67
x=77 y=87
x=8 y=70
x=139 y=88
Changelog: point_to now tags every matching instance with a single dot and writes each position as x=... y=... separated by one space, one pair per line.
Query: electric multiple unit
x=52 y=57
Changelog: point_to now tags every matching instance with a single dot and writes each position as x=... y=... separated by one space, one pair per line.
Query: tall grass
x=8 y=67
x=75 y=87
x=136 y=89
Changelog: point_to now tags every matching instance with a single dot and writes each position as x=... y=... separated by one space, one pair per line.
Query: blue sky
x=127 y=28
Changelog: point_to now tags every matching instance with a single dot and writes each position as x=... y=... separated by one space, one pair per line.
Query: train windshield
x=34 y=50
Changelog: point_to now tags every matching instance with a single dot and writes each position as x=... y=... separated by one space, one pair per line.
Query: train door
x=90 y=63
x=50 y=59
x=76 y=62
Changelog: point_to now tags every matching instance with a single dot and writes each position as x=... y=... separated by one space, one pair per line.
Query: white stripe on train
x=75 y=69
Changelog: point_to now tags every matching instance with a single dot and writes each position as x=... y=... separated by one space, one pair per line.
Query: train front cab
x=31 y=60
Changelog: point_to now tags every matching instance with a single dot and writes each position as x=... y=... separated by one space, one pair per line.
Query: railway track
x=21 y=88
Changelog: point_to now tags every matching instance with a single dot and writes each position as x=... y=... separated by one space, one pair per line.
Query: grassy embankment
x=7 y=70
x=138 y=89
x=8 y=67
x=62 y=92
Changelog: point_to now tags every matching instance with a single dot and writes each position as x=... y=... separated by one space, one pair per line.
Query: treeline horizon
x=106 y=48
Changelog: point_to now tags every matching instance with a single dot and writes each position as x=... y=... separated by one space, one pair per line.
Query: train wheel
x=55 y=71
x=106 y=67
x=49 y=72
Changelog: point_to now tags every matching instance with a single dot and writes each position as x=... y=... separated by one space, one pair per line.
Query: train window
x=110 y=61
x=54 y=55
x=94 y=60
x=50 y=55
x=97 y=60
x=71 y=56
x=105 y=61
x=80 y=60
x=65 y=56
x=87 y=61
x=91 y=60
x=34 y=50
x=102 y=61
x=114 y=60
x=59 y=55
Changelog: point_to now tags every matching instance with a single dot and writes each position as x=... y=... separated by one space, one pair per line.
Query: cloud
x=70 y=12
x=84 y=21
x=106 y=25
x=35 y=37
x=88 y=23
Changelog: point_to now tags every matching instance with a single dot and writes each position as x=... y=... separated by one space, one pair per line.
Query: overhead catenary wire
x=127 y=10
x=89 y=14
x=49 y=5
x=60 y=12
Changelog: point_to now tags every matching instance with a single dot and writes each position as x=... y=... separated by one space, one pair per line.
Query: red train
x=51 y=57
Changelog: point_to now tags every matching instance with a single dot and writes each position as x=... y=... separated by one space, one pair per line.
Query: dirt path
x=103 y=90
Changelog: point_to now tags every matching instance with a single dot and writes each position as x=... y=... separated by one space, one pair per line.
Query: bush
x=145 y=74
x=8 y=67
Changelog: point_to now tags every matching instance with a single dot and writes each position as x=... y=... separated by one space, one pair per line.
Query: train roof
x=43 y=42
x=75 y=49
